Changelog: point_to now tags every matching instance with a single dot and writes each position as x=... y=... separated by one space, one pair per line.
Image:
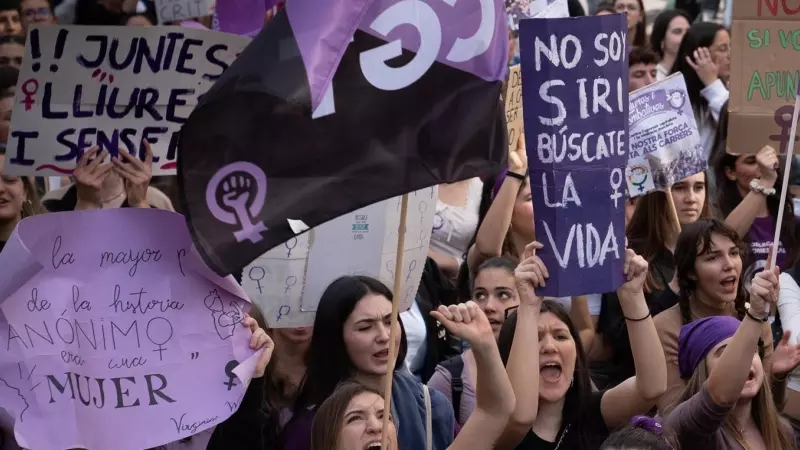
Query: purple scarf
x=699 y=337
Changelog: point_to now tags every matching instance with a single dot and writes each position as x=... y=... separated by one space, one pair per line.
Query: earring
x=572 y=382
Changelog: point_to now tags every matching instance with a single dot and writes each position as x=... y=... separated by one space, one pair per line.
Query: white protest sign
x=178 y=10
x=288 y=281
x=549 y=9
x=113 y=87
x=665 y=144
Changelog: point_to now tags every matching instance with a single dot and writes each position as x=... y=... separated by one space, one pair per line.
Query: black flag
x=253 y=156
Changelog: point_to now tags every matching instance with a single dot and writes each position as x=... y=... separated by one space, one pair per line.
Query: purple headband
x=699 y=337
x=648 y=424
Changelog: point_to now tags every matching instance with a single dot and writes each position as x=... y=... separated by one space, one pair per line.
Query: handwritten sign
x=109 y=321
x=110 y=86
x=513 y=102
x=765 y=70
x=288 y=281
x=664 y=141
x=177 y=10
x=574 y=74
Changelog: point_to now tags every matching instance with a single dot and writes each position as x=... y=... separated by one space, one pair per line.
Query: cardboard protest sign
x=288 y=281
x=665 y=144
x=178 y=10
x=110 y=86
x=513 y=102
x=765 y=69
x=575 y=90
x=109 y=320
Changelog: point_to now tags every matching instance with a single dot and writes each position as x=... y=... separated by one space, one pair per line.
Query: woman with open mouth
x=709 y=268
x=727 y=402
x=546 y=363
x=352 y=417
x=652 y=235
x=350 y=340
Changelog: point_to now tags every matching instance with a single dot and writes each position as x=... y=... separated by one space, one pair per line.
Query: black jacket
x=436 y=289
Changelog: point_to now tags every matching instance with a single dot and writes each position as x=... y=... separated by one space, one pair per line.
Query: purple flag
x=470 y=35
x=242 y=17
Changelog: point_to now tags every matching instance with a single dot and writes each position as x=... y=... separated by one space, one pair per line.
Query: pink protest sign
x=114 y=334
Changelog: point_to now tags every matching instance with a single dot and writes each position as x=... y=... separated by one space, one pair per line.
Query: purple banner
x=575 y=94
x=469 y=35
x=242 y=17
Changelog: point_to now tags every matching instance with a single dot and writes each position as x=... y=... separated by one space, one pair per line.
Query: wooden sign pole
x=387 y=396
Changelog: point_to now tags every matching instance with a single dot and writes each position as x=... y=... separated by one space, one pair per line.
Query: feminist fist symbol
x=235 y=195
x=225 y=320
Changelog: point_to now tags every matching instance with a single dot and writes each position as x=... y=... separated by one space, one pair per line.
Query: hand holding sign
x=136 y=174
x=89 y=175
x=260 y=340
x=635 y=270
x=518 y=158
x=530 y=274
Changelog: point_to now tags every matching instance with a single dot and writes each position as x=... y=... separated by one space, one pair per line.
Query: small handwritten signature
x=193 y=427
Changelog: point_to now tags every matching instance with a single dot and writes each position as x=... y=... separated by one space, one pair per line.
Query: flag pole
x=387 y=396
x=672 y=210
x=789 y=153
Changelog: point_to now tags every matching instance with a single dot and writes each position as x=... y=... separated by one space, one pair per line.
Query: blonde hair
x=764 y=412
x=32 y=204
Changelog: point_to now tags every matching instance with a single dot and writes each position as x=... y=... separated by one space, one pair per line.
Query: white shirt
x=716 y=94
x=416 y=332
x=454 y=226
x=594 y=302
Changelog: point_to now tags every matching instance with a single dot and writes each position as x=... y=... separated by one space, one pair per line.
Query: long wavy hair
x=640 y=40
x=699 y=35
x=327 y=360
x=574 y=410
x=694 y=241
x=764 y=412
x=650 y=227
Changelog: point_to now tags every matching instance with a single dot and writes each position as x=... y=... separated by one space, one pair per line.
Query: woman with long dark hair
x=352 y=417
x=652 y=235
x=708 y=261
x=548 y=368
x=665 y=39
x=637 y=21
x=351 y=340
x=748 y=194
x=704 y=59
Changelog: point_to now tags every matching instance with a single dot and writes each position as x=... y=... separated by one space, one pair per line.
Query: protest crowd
x=616 y=269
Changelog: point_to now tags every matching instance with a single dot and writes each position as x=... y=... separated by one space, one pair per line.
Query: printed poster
x=665 y=144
